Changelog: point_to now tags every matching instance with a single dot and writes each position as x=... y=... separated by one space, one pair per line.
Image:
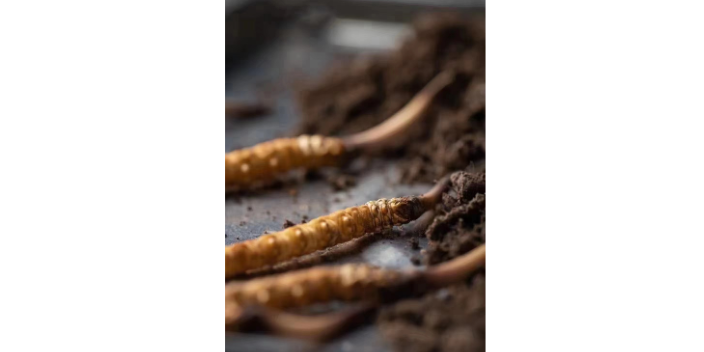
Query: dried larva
x=262 y=162
x=258 y=165
x=311 y=286
x=349 y=282
x=321 y=233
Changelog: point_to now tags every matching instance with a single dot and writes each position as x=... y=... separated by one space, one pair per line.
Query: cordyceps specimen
x=327 y=231
x=257 y=165
x=350 y=282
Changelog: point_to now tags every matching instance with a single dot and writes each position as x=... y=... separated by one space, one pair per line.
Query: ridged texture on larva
x=263 y=162
x=300 y=288
x=320 y=233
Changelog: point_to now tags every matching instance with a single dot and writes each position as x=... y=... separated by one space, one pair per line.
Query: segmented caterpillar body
x=321 y=233
x=262 y=162
x=296 y=289
x=345 y=282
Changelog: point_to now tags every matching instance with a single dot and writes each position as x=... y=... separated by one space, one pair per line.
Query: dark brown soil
x=450 y=319
x=353 y=97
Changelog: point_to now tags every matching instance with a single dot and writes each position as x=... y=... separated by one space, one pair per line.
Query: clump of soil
x=353 y=97
x=450 y=319
x=461 y=223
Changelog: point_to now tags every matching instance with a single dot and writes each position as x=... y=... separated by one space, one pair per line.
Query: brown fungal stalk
x=350 y=282
x=260 y=164
x=317 y=327
x=327 y=231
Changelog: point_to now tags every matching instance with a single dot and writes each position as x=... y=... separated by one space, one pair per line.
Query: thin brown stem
x=318 y=328
x=457 y=269
x=432 y=197
x=421 y=224
x=395 y=125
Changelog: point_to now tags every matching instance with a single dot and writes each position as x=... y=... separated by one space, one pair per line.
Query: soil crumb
x=288 y=224
x=352 y=97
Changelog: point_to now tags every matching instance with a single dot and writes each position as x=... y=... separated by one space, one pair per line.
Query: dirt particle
x=288 y=224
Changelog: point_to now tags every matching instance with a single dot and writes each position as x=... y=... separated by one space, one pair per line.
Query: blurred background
x=252 y=24
x=275 y=52
x=273 y=45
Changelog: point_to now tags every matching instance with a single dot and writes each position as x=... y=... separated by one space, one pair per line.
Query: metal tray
x=309 y=37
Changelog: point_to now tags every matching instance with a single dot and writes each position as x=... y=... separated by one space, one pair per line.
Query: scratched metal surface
x=302 y=50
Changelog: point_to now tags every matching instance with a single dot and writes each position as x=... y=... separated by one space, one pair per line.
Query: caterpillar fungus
x=327 y=231
x=263 y=162
x=348 y=282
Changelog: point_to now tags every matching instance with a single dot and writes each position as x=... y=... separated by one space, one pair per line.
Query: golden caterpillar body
x=296 y=289
x=321 y=233
x=263 y=162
